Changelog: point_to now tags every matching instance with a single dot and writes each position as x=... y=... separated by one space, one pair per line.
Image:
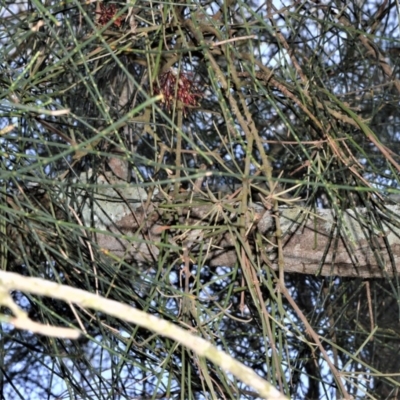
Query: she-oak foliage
x=225 y=166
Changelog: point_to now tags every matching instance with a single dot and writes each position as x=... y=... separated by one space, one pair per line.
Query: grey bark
x=130 y=226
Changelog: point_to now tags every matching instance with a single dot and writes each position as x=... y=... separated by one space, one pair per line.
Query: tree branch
x=11 y=281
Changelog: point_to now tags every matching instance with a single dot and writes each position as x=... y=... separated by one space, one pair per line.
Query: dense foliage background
x=197 y=104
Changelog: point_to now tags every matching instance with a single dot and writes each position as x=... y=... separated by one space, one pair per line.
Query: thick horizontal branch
x=314 y=242
x=352 y=243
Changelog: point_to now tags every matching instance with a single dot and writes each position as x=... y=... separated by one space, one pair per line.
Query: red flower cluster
x=177 y=86
x=107 y=14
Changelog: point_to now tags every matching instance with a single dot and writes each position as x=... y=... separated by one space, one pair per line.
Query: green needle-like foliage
x=224 y=166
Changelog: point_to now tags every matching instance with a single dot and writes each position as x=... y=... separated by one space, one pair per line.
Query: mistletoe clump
x=107 y=13
x=178 y=86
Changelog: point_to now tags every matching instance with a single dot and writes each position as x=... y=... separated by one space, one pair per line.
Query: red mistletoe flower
x=107 y=14
x=178 y=86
